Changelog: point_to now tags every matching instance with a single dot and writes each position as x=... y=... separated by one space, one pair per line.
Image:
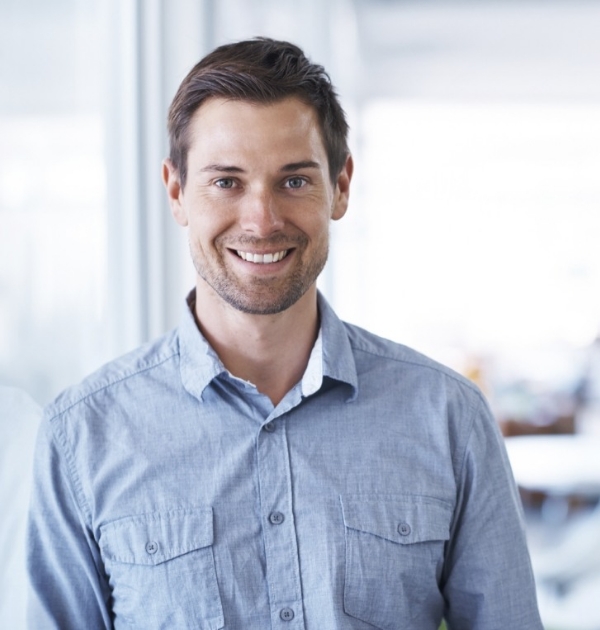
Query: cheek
x=206 y=223
x=312 y=218
x=320 y=227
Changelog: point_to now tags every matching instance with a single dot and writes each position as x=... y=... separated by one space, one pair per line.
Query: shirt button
x=287 y=614
x=404 y=529
x=270 y=427
x=151 y=547
x=277 y=518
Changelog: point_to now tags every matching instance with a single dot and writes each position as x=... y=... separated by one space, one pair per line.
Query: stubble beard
x=261 y=295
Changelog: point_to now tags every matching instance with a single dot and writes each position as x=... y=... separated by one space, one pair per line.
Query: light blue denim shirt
x=169 y=494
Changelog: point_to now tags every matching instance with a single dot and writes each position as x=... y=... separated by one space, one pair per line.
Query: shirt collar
x=331 y=356
x=338 y=358
x=199 y=362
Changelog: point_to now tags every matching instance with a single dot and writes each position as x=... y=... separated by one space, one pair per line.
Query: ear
x=342 y=190
x=170 y=177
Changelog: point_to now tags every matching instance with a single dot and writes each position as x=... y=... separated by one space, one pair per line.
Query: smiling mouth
x=263 y=259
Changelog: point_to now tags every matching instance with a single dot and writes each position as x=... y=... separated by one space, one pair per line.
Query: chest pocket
x=162 y=571
x=394 y=559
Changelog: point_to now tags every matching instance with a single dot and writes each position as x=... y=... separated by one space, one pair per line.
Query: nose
x=260 y=214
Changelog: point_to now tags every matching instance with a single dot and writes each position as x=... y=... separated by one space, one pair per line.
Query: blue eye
x=296 y=182
x=226 y=182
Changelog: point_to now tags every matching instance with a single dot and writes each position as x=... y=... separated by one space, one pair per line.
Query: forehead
x=290 y=124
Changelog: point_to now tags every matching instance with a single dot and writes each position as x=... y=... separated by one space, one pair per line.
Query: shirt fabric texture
x=376 y=494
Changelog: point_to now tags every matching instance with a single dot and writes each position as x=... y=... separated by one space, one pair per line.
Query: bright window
x=52 y=194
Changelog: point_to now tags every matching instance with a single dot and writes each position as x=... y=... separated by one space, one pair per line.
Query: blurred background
x=472 y=233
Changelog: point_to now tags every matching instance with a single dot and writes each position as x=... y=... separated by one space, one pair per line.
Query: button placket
x=281 y=547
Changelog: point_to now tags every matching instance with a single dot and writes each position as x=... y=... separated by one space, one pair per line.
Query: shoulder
x=392 y=372
x=374 y=352
x=127 y=371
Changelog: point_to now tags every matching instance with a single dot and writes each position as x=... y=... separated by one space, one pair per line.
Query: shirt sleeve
x=488 y=582
x=68 y=590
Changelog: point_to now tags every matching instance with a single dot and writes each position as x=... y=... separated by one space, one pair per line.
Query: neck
x=270 y=351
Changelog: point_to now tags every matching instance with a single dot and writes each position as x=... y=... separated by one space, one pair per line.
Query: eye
x=225 y=182
x=295 y=182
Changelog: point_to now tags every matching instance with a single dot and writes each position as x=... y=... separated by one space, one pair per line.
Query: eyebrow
x=221 y=168
x=296 y=166
x=287 y=168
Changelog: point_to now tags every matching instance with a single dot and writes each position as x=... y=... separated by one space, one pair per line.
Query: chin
x=258 y=306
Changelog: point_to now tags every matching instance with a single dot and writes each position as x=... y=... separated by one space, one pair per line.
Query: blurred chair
x=19 y=420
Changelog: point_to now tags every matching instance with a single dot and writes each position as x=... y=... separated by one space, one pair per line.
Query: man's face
x=258 y=200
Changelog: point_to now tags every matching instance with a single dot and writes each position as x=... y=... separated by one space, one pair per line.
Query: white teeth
x=262 y=259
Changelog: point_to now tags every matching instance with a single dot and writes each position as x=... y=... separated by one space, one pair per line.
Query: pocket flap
x=158 y=536
x=401 y=519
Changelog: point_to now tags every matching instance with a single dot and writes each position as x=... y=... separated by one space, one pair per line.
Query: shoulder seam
x=440 y=370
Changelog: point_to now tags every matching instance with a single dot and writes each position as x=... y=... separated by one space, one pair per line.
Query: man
x=266 y=465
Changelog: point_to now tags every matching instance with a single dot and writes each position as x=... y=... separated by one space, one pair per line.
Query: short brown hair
x=259 y=70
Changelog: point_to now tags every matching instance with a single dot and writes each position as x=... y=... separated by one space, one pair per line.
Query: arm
x=488 y=582
x=68 y=590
